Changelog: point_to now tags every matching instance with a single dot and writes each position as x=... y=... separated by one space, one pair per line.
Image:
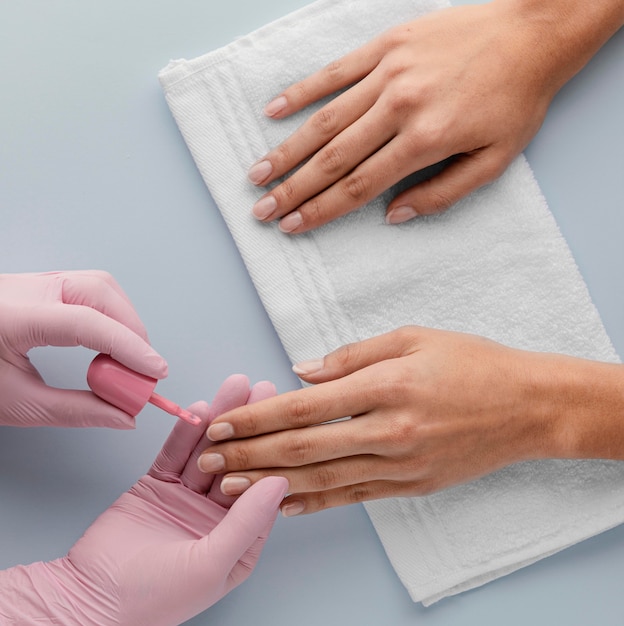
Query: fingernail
x=219 y=432
x=275 y=106
x=293 y=508
x=291 y=222
x=260 y=172
x=234 y=485
x=308 y=367
x=400 y=214
x=211 y=463
x=264 y=207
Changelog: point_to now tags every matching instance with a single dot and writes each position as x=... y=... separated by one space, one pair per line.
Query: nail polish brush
x=128 y=390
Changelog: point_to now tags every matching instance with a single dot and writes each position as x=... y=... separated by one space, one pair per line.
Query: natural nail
x=264 y=207
x=400 y=214
x=259 y=172
x=293 y=508
x=211 y=463
x=291 y=222
x=219 y=432
x=307 y=367
x=275 y=106
x=234 y=485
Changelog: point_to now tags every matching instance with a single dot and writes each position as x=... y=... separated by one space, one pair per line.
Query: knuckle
x=299 y=450
x=331 y=160
x=324 y=477
x=357 y=188
x=358 y=493
x=282 y=155
x=298 y=92
x=313 y=212
x=301 y=408
x=346 y=354
x=237 y=457
x=439 y=200
x=325 y=121
x=286 y=192
x=335 y=72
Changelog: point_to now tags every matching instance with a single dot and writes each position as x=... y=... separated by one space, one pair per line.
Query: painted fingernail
x=219 y=432
x=259 y=172
x=234 y=485
x=400 y=214
x=264 y=207
x=307 y=367
x=275 y=106
x=291 y=222
x=293 y=508
x=211 y=463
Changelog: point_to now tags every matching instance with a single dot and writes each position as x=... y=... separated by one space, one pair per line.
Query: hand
x=66 y=309
x=467 y=85
x=163 y=552
x=429 y=408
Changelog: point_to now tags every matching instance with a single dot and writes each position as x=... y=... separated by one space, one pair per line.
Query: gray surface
x=93 y=174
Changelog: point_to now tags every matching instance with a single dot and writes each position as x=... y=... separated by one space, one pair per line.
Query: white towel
x=495 y=265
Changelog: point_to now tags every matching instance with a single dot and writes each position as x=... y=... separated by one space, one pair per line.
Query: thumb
x=356 y=356
x=464 y=174
x=250 y=518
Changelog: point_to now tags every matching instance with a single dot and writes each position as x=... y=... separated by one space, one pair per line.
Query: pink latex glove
x=165 y=551
x=83 y=308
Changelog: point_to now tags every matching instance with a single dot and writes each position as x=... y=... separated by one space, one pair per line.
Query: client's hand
x=167 y=549
x=429 y=409
x=470 y=84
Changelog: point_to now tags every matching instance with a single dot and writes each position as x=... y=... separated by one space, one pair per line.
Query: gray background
x=94 y=174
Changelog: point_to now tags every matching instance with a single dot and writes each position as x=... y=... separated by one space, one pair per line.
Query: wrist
x=561 y=36
x=36 y=594
x=583 y=405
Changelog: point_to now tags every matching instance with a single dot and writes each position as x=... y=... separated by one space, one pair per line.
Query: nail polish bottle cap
x=118 y=385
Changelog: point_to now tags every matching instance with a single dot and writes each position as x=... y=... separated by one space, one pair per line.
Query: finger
x=331 y=163
x=331 y=78
x=465 y=174
x=369 y=179
x=305 y=503
x=100 y=291
x=248 y=521
x=40 y=405
x=233 y=392
x=180 y=444
x=69 y=325
x=340 y=472
x=358 y=355
x=260 y=391
x=292 y=448
x=318 y=130
x=305 y=407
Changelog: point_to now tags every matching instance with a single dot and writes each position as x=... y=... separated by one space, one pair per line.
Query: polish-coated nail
x=211 y=463
x=400 y=214
x=275 y=106
x=264 y=207
x=291 y=222
x=219 y=432
x=293 y=508
x=308 y=367
x=234 y=485
x=259 y=172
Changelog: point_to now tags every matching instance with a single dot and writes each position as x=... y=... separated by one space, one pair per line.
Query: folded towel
x=495 y=265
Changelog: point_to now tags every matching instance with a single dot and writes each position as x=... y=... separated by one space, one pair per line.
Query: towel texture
x=495 y=264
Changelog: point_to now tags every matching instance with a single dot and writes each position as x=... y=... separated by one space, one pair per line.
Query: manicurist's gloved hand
x=80 y=308
x=169 y=548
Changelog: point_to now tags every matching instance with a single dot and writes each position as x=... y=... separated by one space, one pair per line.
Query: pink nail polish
x=128 y=390
x=400 y=214
x=275 y=106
